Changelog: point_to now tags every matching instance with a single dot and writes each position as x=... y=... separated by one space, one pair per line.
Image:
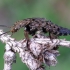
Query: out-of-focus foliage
x=58 y=11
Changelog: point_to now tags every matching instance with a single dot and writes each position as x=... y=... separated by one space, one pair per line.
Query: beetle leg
x=26 y=34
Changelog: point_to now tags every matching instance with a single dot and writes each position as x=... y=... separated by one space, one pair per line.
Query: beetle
x=32 y=25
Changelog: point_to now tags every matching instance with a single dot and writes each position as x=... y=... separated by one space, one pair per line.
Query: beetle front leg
x=26 y=34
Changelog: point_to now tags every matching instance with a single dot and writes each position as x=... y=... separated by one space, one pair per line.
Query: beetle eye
x=15 y=29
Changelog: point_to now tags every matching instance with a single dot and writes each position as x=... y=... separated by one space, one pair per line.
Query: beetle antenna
x=4 y=33
x=5 y=26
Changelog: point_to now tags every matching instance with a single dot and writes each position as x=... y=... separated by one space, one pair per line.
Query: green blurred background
x=58 y=11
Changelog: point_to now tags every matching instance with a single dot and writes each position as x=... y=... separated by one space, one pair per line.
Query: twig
x=40 y=50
